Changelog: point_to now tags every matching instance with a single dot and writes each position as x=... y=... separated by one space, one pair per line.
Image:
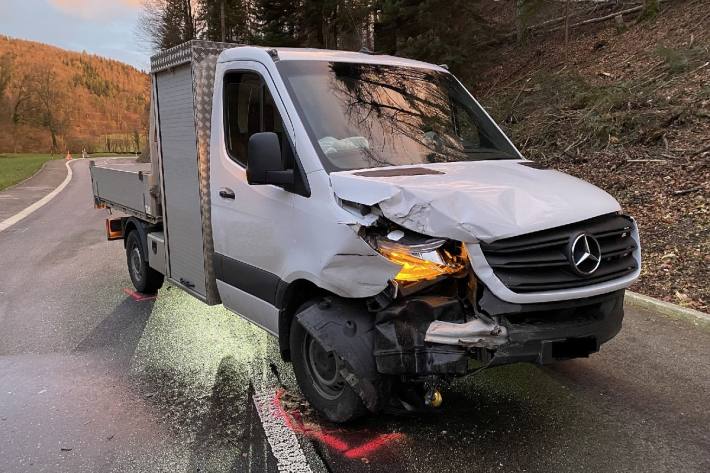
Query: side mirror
x=264 y=163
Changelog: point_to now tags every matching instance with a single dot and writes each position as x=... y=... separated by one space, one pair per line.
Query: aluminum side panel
x=183 y=218
x=124 y=186
x=156 y=251
x=204 y=62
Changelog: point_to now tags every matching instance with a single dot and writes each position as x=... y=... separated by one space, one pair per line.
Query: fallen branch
x=575 y=144
x=533 y=28
x=687 y=191
x=599 y=19
x=647 y=161
x=644 y=83
x=663 y=84
x=700 y=151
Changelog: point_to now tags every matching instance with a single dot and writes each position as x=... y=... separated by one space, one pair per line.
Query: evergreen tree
x=428 y=31
x=179 y=22
x=227 y=20
x=278 y=22
x=332 y=24
x=336 y=24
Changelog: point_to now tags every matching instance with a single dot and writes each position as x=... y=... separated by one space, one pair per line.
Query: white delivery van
x=368 y=212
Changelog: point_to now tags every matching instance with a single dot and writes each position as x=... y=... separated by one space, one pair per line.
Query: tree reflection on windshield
x=372 y=115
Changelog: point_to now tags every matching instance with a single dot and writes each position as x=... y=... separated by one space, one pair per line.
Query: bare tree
x=20 y=105
x=149 y=28
x=167 y=23
x=49 y=98
x=20 y=95
x=7 y=61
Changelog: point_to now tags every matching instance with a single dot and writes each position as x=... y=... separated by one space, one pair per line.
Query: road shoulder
x=20 y=196
x=667 y=309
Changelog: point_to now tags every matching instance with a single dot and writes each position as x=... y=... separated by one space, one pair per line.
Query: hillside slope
x=626 y=107
x=53 y=98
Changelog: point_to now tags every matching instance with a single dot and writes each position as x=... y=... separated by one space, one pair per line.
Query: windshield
x=373 y=115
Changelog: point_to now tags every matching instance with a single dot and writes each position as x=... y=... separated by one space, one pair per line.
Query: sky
x=104 y=27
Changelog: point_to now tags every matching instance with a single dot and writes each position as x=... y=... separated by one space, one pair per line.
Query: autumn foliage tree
x=56 y=100
x=49 y=98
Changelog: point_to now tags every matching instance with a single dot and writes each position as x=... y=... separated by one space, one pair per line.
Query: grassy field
x=18 y=167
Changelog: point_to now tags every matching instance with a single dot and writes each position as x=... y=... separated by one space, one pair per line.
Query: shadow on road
x=230 y=436
x=118 y=334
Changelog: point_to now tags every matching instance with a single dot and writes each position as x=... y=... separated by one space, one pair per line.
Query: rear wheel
x=145 y=279
x=318 y=374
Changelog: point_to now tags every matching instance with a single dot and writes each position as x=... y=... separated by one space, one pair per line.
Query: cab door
x=250 y=222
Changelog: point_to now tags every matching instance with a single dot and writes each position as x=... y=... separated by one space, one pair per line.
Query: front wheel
x=145 y=279
x=318 y=374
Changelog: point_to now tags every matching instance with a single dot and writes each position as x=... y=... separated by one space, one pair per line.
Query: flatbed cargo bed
x=127 y=186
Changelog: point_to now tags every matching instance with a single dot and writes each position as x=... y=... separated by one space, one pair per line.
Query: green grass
x=15 y=168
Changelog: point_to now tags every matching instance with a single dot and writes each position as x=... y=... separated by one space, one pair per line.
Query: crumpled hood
x=474 y=200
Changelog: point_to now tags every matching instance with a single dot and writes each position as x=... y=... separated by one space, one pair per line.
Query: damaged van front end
x=462 y=255
x=476 y=291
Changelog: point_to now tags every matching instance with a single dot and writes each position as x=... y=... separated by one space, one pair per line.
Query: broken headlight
x=420 y=261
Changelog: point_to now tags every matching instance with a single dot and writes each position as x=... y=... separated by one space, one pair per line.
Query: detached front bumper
x=430 y=335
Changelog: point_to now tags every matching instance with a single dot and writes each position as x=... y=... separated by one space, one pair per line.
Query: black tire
x=145 y=279
x=324 y=389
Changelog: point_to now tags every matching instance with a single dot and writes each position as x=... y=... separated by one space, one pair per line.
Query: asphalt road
x=93 y=381
x=19 y=196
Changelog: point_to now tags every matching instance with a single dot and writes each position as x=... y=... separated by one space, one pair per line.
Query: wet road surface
x=93 y=381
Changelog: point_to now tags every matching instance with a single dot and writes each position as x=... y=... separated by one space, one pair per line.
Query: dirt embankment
x=626 y=107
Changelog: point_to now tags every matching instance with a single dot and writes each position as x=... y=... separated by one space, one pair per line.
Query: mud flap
x=347 y=329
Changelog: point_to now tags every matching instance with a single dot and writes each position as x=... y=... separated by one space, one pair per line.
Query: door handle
x=226 y=193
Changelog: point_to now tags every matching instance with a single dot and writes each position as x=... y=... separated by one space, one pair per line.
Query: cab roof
x=311 y=54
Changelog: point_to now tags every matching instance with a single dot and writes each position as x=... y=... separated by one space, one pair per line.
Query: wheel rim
x=323 y=368
x=136 y=263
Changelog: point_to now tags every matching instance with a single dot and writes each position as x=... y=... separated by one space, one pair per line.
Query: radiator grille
x=541 y=261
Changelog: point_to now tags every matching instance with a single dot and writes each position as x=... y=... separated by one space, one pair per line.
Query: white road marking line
x=36 y=188
x=289 y=456
x=7 y=223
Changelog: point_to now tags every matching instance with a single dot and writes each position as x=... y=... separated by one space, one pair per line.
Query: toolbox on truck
x=174 y=188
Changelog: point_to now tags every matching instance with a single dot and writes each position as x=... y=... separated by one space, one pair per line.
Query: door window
x=249 y=108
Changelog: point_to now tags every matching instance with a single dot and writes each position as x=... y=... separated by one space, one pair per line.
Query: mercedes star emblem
x=585 y=254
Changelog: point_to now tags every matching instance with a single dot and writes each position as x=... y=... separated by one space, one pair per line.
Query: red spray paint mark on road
x=139 y=296
x=294 y=422
x=373 y=445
